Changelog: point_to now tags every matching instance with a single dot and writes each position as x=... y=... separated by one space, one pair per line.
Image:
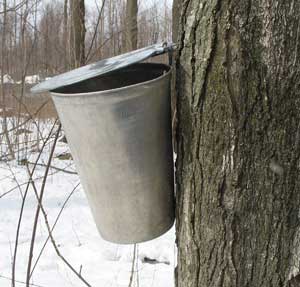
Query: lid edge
x=101 y=67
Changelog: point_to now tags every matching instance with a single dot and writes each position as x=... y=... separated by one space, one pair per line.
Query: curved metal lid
x=101 y=67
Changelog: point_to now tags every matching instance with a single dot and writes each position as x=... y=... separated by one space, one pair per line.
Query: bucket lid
x=101 y=67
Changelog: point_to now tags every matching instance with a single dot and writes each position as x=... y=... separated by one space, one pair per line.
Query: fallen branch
x=22 y=184
x=55 y=168
x=21 y=282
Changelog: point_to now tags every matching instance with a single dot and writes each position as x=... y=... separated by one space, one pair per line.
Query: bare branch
x=39 y=205
x=39 y=198
x=56 y=220
x=132 y=266
x=96 y=30
x=22 y=209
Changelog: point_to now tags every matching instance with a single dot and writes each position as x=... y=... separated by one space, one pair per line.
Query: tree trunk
x=10 y=150
x=65 y=33
x=238 y=135
x=131 y=25
x=175 y=19
x=77 y=36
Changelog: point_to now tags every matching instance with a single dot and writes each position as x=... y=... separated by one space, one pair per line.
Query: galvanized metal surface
x=121 y=142
x=101 y=67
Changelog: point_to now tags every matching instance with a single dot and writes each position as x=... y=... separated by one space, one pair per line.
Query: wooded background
x=40 y=39
x=49 y=37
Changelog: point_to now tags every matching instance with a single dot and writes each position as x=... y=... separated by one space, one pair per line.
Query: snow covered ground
x=101 y=263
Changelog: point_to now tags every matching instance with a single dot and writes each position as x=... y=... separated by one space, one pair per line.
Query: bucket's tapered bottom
x=137 y=238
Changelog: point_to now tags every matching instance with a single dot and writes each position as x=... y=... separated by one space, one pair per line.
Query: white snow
x=101 y=263
x=7 y=79
x=32 y=79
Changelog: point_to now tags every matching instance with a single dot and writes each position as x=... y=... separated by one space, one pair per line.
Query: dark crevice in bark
x=199 y=101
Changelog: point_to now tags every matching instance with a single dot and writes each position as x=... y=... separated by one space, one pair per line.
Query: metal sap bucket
x=118 y=126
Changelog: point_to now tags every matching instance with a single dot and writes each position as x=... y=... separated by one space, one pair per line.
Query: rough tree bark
x=238 y=134
x=131 y=28
x=77 y=32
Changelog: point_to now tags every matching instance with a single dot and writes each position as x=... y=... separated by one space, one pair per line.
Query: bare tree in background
x=175 y=19
x=131 y=28
x=65 y=33
x=3 y=91
x=50 y=25
x=77 y=33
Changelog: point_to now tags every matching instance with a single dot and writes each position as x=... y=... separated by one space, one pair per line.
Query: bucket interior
x=131 y=75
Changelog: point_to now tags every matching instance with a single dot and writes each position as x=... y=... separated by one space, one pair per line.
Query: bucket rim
x=109 y=91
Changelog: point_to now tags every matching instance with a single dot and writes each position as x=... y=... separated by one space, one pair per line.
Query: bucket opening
x=131 y=75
